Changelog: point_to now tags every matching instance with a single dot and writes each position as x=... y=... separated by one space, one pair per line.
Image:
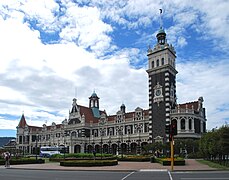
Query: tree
x=214 y=145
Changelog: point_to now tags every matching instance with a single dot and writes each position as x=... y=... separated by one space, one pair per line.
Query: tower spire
x=161 y=35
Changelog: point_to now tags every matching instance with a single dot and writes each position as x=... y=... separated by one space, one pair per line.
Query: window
x=182 y=124
x=138 y=115
x=95 y=133
x=162 y=61
x=190 y=124
x=119 y=119
x=157 y=62
x=111 y=132
x=152 y=64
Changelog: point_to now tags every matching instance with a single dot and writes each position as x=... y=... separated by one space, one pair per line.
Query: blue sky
x=52 y=51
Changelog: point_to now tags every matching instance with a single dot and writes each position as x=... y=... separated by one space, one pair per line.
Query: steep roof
x=190 y=105
x=22 y=122
x=88 y=113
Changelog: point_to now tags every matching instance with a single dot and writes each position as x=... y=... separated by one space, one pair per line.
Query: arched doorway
x=97 y=148
x=124 y=148
x=114 y=149
x=105 y=149
x=77 y=148
x=90 y=148
x=133 y=148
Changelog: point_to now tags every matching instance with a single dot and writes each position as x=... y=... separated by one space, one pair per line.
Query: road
x=12 y=174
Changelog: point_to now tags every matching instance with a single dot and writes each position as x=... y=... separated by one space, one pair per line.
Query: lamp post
x=121 y=133
x=36 y=147
x=139 y=148
x=23 y=143
x=85 y=145
x=63 y=136
x=118 y=149
x=93 y=143
x=128 y=143
x=89 y=143
x=101 y=147
x=109 y=142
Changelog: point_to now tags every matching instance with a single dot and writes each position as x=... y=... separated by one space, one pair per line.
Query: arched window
x=157 y=62
x=162 y=61
x=152 y=64
x=190 y=124
x=73 y=134
x=182 y=124
x=110 y=132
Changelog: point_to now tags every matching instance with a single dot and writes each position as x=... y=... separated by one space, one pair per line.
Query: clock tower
x=162 y=86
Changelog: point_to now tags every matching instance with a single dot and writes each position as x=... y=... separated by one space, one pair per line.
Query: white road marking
x=128 y=175
x=170 y=176
x=206 y=178
x=153 y=170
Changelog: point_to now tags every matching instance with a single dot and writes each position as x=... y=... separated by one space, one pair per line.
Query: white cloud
x=85 y=27
x=207 y=79
x=41 y=77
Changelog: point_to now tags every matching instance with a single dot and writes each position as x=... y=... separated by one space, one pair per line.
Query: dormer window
x=102 y=120
x=138 y=116
x=119 y=119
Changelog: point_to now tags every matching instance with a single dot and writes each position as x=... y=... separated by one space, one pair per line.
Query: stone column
x=193 y=128
x=186 y=124
x=178 y=126
x=201 y=126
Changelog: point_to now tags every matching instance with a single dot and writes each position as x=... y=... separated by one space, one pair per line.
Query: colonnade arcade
x=121 y=144
x=110 y=148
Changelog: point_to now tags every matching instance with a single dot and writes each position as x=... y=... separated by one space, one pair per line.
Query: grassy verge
x=212 y=164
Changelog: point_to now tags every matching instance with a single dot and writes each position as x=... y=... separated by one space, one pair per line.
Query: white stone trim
x=167 y=79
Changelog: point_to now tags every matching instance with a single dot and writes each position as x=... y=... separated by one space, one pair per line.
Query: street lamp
x=121 y=133
x=101 y=147
x=139 y=148
x=118 y=144
x=89 y=144
x=36 y=147
x=63 y=136
x=128 y=143
x=109 y=142
x=93 y=143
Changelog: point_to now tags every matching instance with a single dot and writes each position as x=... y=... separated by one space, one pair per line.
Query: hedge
x=80 y=155
x=88 y=163
x=167 y=161
x=82 y=158
x=135 y=158
x=23 y=161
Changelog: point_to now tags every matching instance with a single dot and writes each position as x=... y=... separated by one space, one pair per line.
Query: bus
x=48 y=151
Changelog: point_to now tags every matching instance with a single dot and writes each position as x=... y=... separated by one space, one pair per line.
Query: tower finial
x=160 y=18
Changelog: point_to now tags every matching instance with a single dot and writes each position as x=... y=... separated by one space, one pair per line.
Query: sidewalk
x=191 y=165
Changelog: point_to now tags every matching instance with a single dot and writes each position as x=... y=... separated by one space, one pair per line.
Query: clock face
x=158 y=92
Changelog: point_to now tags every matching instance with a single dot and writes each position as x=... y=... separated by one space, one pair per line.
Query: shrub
x=167 y=161
x=23 y=161
x=78 y=156
x=87 y=163
x=134 y=158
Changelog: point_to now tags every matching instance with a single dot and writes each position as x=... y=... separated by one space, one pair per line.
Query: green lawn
x=213 y=165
